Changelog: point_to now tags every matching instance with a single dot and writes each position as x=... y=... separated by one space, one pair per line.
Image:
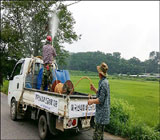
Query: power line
x=73 y=3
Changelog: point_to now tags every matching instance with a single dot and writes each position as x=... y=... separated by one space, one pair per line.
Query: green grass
x=84 y=73
x=4 y=88
x=143 y=95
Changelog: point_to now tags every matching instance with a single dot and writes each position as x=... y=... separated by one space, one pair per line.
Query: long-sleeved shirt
x=48 y=53
x=102 y=115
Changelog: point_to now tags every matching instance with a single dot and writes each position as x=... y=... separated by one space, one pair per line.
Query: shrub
x=139 y=131
x=120 y=115
x=158 y=127
x=124 y=122
x=151 y=79
x=4 y=88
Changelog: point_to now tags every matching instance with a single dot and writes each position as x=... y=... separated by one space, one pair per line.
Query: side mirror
x=10 y=77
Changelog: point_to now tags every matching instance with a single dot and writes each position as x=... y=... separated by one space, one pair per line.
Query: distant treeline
x=87 y=61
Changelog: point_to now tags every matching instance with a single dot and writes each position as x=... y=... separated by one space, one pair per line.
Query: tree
x=135 y=66
x=117 y=55
x=152 y=55
x=24 y=26
x=151 y=65
x=87 y=61
x=124 y=66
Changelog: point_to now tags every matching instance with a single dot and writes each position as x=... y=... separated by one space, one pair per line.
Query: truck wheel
x=42 y=127
x=13 y=110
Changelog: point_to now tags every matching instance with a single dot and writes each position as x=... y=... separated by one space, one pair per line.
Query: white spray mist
x=53 y=24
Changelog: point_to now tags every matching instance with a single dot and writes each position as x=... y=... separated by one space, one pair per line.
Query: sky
x=128 y=27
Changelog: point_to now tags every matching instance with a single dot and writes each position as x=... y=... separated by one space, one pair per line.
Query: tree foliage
x=151 y=65
x=88 y=61
x=25 y=25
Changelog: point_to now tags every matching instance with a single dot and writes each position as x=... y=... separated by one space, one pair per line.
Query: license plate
x=85 y=123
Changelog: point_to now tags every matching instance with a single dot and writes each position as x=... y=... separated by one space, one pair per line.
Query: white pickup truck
x=53 y=111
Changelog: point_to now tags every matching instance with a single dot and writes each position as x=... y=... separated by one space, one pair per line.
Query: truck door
x=16 y=81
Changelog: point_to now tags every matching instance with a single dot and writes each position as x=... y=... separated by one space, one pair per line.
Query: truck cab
x=19 y=75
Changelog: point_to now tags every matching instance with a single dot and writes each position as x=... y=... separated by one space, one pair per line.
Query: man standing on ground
x=48 y=56
x=102 y=102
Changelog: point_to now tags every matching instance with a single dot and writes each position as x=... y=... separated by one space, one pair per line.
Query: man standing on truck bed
x=49 y=53
x=102 y=102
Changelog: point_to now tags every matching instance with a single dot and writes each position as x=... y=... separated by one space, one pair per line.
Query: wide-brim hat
x=102 y=69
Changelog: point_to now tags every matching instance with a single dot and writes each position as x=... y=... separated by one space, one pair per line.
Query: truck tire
x=13 y=110
x=42 y=127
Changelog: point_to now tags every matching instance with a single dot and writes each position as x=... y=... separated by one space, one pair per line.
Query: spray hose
x=85 y=77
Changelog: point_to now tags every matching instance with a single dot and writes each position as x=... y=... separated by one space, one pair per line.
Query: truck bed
x=70 y=106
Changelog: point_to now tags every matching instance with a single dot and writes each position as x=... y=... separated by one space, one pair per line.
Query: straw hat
x=102 y=69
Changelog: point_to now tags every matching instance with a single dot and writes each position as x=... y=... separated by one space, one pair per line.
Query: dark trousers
x=47 y=77
x=98 y=132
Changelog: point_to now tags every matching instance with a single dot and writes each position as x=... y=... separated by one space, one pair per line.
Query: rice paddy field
x=143 y=95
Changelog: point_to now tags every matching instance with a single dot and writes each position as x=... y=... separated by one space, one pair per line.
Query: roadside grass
x=4 y=88
x=143 y=95
x=124 y=123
